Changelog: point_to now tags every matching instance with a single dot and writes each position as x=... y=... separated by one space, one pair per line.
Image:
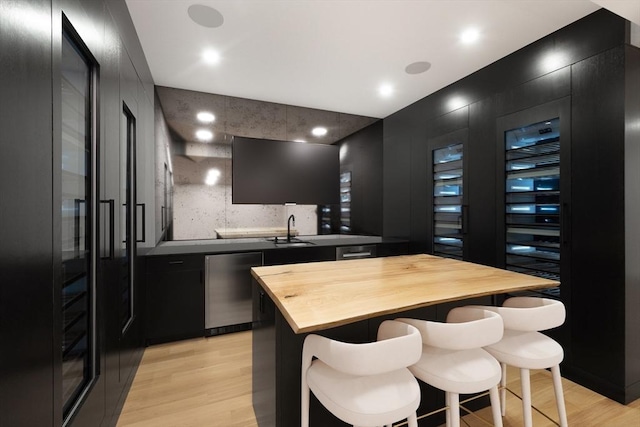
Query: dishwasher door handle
x=357 y=255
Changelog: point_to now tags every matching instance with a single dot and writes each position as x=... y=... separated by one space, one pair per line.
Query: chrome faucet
x=289 y=221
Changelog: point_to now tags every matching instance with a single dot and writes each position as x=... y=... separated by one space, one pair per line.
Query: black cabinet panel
x=481 y=185
x=26 y=226
x=361 y=154
x=598 y=250
x=174 y=298
x=551 y=86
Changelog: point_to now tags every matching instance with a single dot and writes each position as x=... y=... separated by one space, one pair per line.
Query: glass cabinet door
x=533 y=199
x=448 y=201
x=77 y=222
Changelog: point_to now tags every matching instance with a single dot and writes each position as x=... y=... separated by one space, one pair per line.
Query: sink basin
x=294 y=242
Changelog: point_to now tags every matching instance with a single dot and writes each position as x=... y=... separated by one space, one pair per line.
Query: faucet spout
x=292 y=219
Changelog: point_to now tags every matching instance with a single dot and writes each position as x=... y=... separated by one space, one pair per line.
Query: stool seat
x=523 y=347
x=371 y=400
x=462 y=372
x=453 y=360
x=530 y=350
x=365 y=385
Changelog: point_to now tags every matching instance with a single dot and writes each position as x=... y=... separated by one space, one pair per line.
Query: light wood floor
x=207 y=382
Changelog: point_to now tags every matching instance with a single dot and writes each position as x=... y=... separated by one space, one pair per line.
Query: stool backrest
x=399 y=346
x=466 y=328
x=530 y=314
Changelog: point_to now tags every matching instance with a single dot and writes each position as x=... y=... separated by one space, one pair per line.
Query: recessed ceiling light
x=417 y=67
x=470 y=36
x=205 y=16
x=206 y=117
x=204 y=135
x=211 y=56
x=319 y=131
x=385 y=90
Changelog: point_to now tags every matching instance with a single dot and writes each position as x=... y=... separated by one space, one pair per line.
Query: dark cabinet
x=174 y=298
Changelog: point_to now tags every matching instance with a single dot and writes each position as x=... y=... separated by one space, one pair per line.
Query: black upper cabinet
x=280 y=172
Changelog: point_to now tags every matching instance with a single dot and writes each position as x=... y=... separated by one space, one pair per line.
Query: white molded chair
x=364 y=384
x=524 y=347
x=453 y=359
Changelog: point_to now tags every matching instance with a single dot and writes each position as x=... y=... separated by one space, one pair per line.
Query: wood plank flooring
x=207 y=382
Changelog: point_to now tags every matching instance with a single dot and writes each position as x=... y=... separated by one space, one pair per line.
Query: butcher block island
x=347 y=300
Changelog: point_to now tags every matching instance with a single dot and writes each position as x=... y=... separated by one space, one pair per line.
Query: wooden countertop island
x=321 y=295
x=347 y=301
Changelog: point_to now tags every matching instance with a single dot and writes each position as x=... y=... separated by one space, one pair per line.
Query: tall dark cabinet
x=71 y=331
x=26 y=223
x=550 y=185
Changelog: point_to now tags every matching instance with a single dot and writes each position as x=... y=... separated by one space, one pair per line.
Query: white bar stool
x=522 y=346
x=364 y=384
x=453 y=359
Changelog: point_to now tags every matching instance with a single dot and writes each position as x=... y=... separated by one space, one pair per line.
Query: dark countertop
x=214 y=246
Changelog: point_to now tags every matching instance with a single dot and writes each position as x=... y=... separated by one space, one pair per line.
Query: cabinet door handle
x=112 y=235
x=565 y=224
x=176 y=262
x=261 y=305
x=144 y=210
x=465 y=218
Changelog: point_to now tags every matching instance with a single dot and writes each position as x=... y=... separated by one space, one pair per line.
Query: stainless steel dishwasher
x=228 y=291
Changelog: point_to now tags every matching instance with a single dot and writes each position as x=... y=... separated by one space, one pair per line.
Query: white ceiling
x=334 y=54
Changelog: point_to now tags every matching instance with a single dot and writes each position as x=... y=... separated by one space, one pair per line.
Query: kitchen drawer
x=174 y=263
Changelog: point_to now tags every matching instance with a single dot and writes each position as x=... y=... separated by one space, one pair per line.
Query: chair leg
x=526 y=397
x=412 y=420
x=304 y=406
x=454 y=409
x=503 y=389
x=557 y=388
x=447 y=412
x=495 y=406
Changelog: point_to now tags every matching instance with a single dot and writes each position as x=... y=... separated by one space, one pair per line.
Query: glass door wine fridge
x=449 y=201
x=535 y=144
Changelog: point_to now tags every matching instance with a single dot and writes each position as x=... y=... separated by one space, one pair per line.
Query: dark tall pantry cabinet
x=563 y=200
x=76 y=113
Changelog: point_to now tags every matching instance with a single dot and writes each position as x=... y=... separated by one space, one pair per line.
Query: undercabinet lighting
x=206 y=117
x=299 y=140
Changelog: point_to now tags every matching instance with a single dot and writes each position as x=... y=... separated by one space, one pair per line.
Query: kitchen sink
x=294 y=242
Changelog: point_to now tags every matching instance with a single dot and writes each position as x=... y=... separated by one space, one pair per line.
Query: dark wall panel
x=632 y=217
x=361 y=154
x=481 y=185
x=598 y=215
x=26 y=306
x=400 y=130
